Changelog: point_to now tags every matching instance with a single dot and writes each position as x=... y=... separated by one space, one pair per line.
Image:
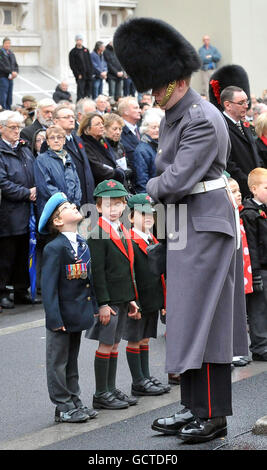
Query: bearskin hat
x=228 y=75
x=153 y=53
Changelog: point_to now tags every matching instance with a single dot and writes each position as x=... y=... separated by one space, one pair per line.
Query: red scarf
x=117 y=240
x=264 y=139
x=143 y=246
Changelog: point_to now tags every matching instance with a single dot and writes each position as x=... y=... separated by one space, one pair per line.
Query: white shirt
x=145 y=236
x=132 y=127
x=257 y=202
x=72 y=237
x=229 y=117
x=114 y=225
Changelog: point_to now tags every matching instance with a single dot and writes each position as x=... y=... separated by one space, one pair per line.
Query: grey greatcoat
x=204 y=277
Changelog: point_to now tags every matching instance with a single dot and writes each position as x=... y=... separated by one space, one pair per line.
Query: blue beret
x=53 y=202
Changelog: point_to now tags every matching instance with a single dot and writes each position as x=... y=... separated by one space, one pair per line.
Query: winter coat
x=8 y=63
x=60 y=95
x=99 y=64
x=144 y=162
x=80 y=63
x=51 y=176
x=16 y=179
x=201 y=321
x=112 y=62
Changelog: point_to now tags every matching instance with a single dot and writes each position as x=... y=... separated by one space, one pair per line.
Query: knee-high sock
x=101 y=372
x=144 y=356
x=112 y=371
x=134 y=362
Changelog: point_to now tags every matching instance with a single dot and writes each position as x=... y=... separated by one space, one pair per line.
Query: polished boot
x=203 y=430
x=172 y=424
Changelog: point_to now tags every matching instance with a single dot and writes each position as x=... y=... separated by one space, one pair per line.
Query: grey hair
x=46 y=102
x=13 y=116
x=80 y=105
x=150 y=116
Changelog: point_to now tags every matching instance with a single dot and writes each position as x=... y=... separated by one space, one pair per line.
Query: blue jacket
x=16 y=179
x=69 y=303
x=144 y=162
x=51 y=176
x=99 y=64
x=209 y=63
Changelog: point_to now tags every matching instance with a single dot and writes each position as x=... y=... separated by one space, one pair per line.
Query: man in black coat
x=43 y=119
x=244 y=156
x=8 y=71
x=18 y=192
x=82 y=68
x=115 y=72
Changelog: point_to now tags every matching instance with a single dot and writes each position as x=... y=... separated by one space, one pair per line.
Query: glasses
x=14 y=128
x=56 y=137
x=240 y=103
x=70 y=116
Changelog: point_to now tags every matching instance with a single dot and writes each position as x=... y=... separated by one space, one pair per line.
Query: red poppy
x=80 y=145
x=262 y=214
x=246 y=124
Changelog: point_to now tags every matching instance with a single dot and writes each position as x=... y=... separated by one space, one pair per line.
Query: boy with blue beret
x=151 y=298
x=114 y=281
x=69 y=303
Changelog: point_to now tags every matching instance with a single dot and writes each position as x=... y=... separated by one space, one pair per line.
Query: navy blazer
x=130 y=142
x=68 y=303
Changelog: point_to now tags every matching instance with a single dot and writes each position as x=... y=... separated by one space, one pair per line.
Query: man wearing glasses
x=17 y=192
x=229 y=91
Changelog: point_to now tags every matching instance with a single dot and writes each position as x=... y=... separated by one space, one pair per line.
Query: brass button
x=87 y=285
x=88 y=298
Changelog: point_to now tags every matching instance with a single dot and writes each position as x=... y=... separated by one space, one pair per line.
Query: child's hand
x=133 y=307
x=59 y=329
x=135 y=316
x=104 y=314
x=163 y=312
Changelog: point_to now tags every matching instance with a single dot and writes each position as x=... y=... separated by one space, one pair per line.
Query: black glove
x=257 y=283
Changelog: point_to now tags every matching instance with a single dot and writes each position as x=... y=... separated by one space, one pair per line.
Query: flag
x=32 y=252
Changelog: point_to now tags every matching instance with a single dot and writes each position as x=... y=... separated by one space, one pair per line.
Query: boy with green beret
x=151 y=298
x=114 y=281
x=69 y=303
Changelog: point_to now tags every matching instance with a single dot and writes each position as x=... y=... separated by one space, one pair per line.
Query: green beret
x=110 y=188
x=141 y=202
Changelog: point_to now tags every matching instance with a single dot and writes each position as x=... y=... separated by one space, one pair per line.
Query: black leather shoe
x=174 y=379
x=108 y=401
x=6 y=303
x=89 y=411
x=255 y=357
x=155 y=381
x=172 y=424
x=239 y=361
x=122 y=396
x=72 y=416
x=203 y=430
x=146 y=388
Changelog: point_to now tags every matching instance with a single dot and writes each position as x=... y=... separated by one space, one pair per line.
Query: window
x=7 y=17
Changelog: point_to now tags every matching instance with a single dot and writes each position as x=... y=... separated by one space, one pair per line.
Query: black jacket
x=28 y=132
x=254 y=217
x=80 y=63
x=16 y=179
x=262 y=151
x=244 y=156
x=8 y=63
x=60 y=95
x=113 y=64
x=103 y=165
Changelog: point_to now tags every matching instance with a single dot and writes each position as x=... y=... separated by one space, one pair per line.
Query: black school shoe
x=146 y=388
x=172 y=424
x=91 y=413
x=203 y=430
x=76 y=415
x=157 y=382
x=108 y=401
x=123 y=397
x=259 y=357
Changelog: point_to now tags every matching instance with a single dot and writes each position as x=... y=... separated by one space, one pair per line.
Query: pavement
x=27 y=415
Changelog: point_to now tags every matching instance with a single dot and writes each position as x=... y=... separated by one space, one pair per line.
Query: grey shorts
x=146 y=327
x=113 y=331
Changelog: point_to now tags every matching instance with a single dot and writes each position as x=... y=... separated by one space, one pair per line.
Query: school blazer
x=112 y=269
x=69 y=303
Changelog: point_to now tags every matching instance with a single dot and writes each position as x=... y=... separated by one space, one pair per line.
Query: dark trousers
x=62 y=350
x=257 y=317
x=14 y=253
x=6 y=90
x=207 y=392
x=84 y=88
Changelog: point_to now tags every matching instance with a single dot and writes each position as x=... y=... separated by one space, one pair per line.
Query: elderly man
x=209 y=57
x=82 y=68
x=44 y=113
x=18 y=192
x=193 y=149
x=84 y=106
x=61 y=92
x=101 y=104
x=100 y=68
x=8 y=71
x=130 y=111
x=64 y=117
x=230 y=92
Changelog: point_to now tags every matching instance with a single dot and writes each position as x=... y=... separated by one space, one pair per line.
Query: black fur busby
x=228 y=75
x=153 y=53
